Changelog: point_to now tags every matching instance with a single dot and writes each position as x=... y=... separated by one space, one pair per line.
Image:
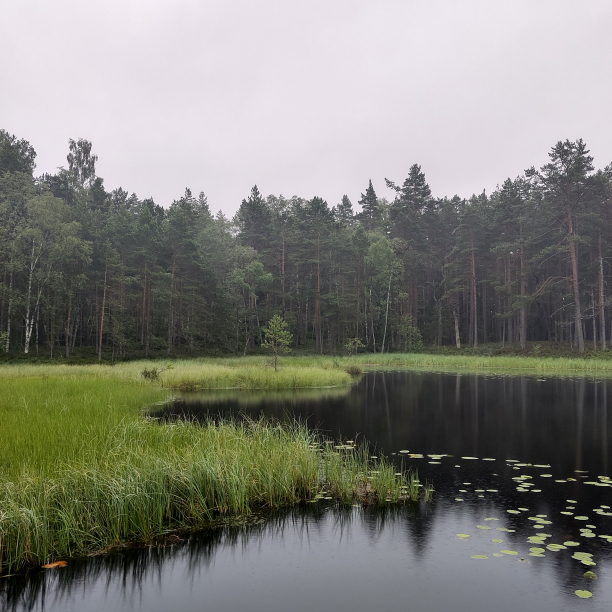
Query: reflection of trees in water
x=126 y=572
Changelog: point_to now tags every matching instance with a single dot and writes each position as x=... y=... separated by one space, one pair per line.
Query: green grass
x=485 y=364
x=83 y=469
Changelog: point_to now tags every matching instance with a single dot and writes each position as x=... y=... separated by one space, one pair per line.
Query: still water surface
x=326 y=558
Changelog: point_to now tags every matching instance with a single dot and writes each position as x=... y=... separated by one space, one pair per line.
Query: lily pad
x=483 y=527
x=567 y=513
x=556 y=547
x=497 y=540
x=462 y=536
x=512 y=511
x=583 y=594
x=509 y=552
x=536 y=554
x=535 y=549
x=590 y=575
x=480 y=556
x=469 y=457
x=571 y=501
x=491 y=518
x=581 y=518
x=546 y=475
x=458 y=499
x=497 y=555
x=571 y=543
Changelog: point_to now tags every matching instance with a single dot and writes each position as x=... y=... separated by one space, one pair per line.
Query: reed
x=154 y=477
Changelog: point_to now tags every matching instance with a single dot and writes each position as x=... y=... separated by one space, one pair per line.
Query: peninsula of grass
x=83 y=468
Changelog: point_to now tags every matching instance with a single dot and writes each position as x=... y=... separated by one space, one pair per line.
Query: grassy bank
x=202 y=373
x=485 y=364
x=82 y=468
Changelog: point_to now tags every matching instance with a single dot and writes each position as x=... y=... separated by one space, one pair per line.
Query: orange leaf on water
x=56 y=564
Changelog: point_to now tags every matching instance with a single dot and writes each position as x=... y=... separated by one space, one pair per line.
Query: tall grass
x=191 y=376
x=484 y=364
x=83 y=468
x=46 y=422
x=159 y=477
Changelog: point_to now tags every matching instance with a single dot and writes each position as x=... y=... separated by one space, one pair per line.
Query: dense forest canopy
x=85 y=267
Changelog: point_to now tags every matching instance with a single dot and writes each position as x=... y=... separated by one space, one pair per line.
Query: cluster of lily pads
x=541 y=541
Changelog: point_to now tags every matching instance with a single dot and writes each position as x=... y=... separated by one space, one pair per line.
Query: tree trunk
x=575 y=286
x=456 y=317
x=170 y=311
x=382 y=350
x=7 y=345
x=602 y=318
x=102 y=314
x=473 y=302
x=523 y=310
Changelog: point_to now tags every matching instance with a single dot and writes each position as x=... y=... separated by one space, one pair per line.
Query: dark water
x=326 y=558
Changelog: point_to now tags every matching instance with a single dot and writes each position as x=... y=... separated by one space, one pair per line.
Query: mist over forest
x=103 y=272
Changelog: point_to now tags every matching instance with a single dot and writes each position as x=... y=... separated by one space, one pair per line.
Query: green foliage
x=354 y=346
x=410 y=334
x=277 y=338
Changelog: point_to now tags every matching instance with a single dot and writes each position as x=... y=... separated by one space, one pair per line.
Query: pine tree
x=277 y=338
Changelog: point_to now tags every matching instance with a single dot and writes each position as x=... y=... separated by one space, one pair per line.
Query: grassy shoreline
x=84 y=469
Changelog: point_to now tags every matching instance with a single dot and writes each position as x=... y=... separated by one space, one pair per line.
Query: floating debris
x=55 y=564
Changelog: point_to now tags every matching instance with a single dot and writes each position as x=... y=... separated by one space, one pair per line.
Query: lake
x=520 y=467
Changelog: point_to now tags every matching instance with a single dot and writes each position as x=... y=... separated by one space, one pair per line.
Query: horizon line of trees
x=83 y=266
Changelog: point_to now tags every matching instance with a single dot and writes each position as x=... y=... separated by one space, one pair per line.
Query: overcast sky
x=306 y=98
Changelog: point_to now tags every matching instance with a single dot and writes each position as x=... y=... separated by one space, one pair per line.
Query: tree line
x=85 y=267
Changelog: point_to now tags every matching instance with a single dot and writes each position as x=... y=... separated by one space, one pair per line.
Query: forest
x=105 y=273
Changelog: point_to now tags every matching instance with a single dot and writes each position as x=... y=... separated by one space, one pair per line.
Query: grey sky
x=306 y=98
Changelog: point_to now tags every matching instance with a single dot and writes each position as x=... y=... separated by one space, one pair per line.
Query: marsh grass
x=155 y=478
x=483 y=364
x=351 y=475
x=83 y=468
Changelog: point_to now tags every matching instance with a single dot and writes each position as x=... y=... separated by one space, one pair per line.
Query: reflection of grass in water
x=256 y=396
